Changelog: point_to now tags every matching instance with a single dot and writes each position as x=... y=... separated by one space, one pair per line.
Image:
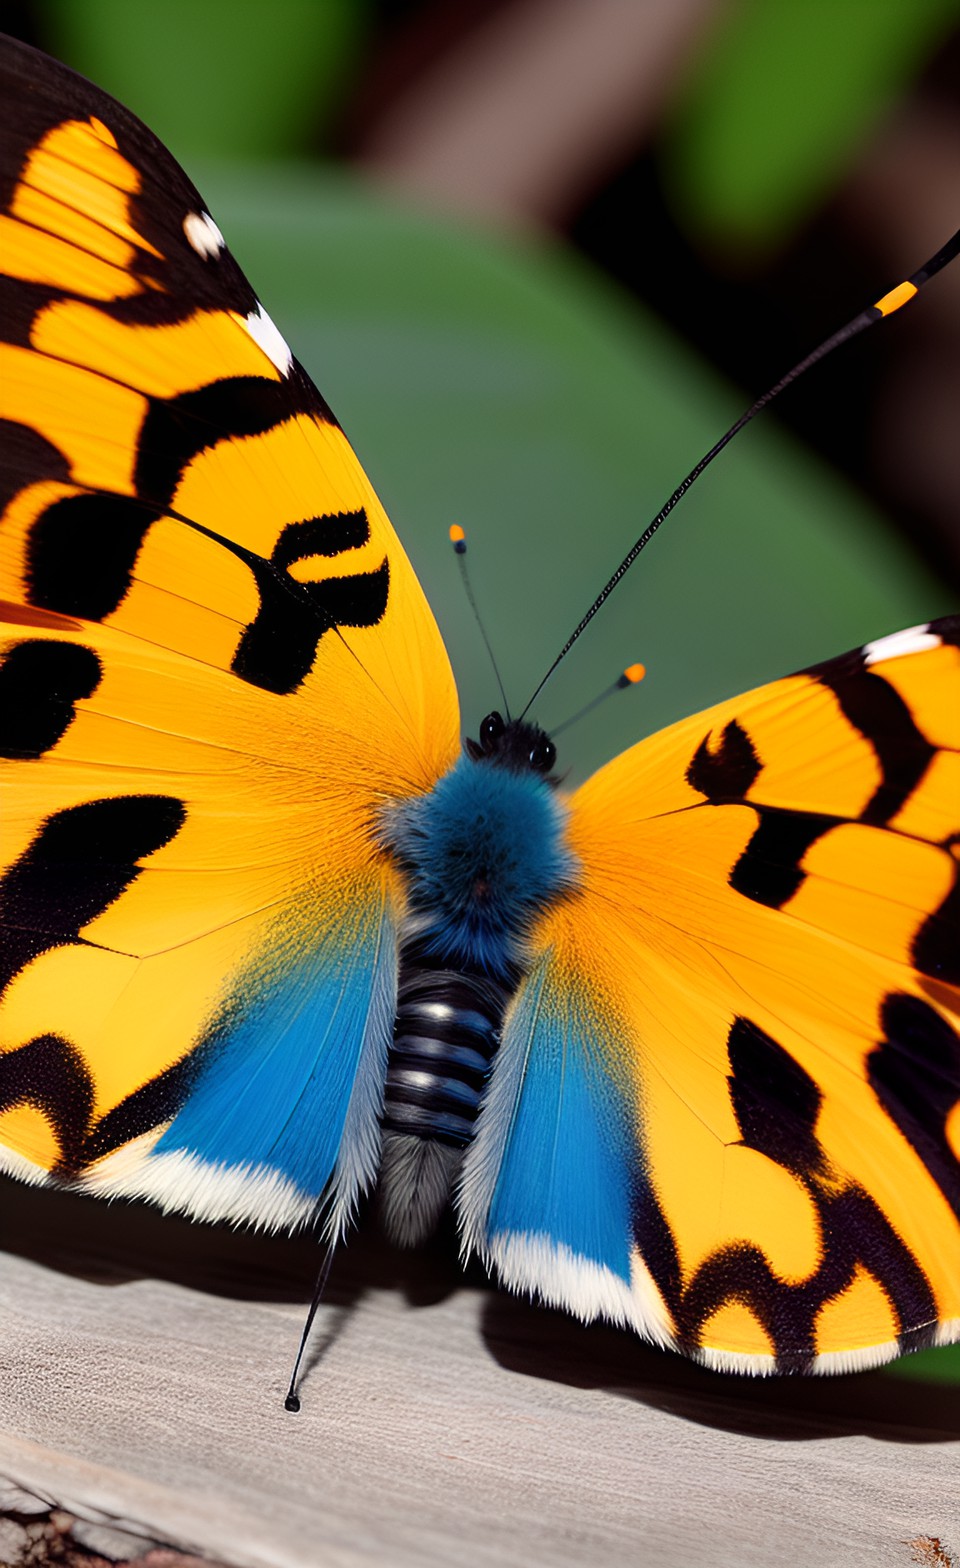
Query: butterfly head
x=509 y=743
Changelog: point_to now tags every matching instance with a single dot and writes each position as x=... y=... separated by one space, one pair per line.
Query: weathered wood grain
x=145 y=1361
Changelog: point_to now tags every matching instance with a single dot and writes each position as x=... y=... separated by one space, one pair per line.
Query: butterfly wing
x=726 y=1109
x=216 y=666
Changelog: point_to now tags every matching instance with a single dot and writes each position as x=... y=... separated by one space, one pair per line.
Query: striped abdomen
x=445 y=1037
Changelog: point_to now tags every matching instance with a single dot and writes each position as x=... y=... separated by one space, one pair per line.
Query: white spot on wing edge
x=182 y=1183
x=186 y=1184
x=17 y=1165
x=743 y=1363
x=914 y=640
x=834 y=1363
x=267 y=336
x=536 y=1265
x=202 y=234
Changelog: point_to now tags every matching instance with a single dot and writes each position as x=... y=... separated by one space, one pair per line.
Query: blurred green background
x=528 y=251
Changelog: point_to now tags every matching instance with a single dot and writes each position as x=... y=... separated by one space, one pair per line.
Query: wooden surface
x=145 y=1360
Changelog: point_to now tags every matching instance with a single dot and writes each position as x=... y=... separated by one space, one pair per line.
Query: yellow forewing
x=216 y=663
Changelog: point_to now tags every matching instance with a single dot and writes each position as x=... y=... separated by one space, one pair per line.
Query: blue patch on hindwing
x=283 y=1059
x=484 y=854
x=570 y=1145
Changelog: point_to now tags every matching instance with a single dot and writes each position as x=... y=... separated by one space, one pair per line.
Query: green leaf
x=226 y=78
x=782 y=103
x=930 y=1366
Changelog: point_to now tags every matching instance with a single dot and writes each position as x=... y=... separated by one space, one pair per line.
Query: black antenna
x=292 y=1402
x=459 y=541
x=901 y=295
x=631 y=676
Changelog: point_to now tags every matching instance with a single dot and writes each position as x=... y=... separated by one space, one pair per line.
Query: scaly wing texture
x=727 y=1105
x=216 y=665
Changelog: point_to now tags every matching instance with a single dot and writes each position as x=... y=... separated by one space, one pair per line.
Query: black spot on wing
x=82 y=550
x=859 y=1230
x=80 y=861
x=741 y=1273
x=49 y=1074
x=356 y=600
x=936 y=947
x=726 y=772
x=27 y=455
x=321 y=536
x=177 y=429
x=776 y=1103
x=877 y=710
x=774 y=1099
x=856 y=1232
x=769 y=870
x=41 y=683
x=915 y=1074
x=19 y=303
x=277 y=649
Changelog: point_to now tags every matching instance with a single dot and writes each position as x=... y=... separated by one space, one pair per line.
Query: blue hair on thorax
x=484 y=853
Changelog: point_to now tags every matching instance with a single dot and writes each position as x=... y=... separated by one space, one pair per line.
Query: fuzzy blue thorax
x=485 y=853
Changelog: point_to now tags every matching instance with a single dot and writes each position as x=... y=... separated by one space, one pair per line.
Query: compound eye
x=490 y=730
x=543 y=755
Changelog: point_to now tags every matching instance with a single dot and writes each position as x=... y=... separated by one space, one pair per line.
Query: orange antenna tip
x=458 y=538
x=631 y=676
x=901 y=295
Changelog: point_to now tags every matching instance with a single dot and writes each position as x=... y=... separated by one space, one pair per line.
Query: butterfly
x=680 y=1047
